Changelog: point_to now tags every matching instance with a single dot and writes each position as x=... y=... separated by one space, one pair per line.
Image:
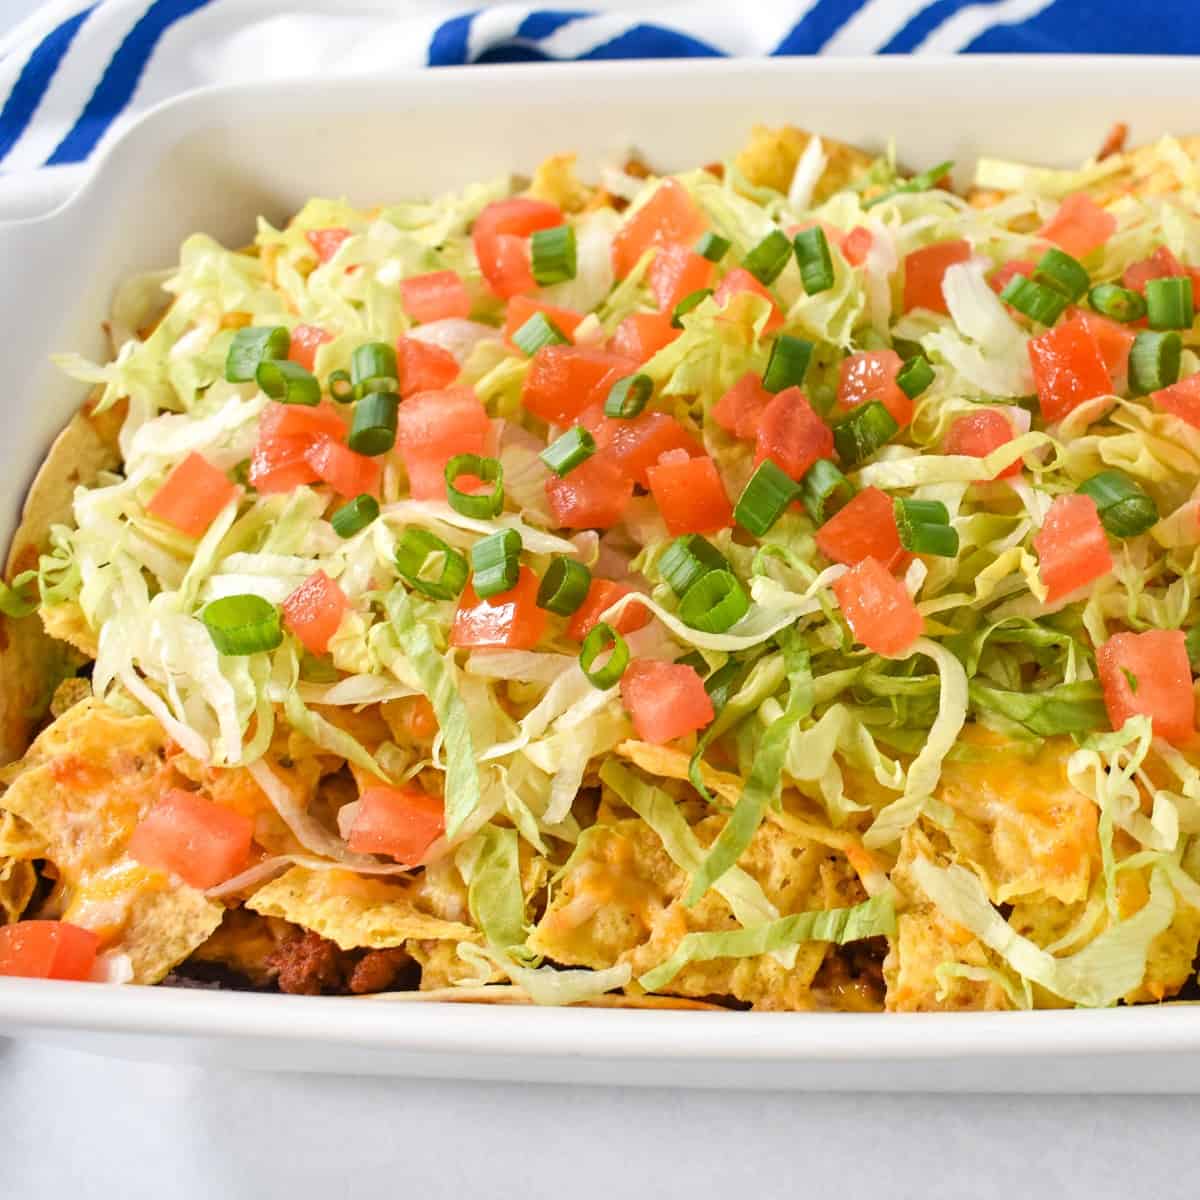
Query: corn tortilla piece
x=507 y=993
x=19 y=846
x=556 y=182
x=442 y=969
x=769 y=158
x=354 y=912
x=243 y=942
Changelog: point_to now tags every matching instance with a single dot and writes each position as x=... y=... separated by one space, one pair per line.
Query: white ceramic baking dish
x=214 y=160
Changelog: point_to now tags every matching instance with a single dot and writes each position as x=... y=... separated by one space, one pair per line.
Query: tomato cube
x=280 y=464
x=1000 y=278
x=1079 y=226
x=314 y=611
x=642 y=335
x=594 y=495
x=1162 y=264
x=871 y=375
x=326 y=242
x=305 y=341
x=399 y=822
x=677 y=271
x=603 y=594
x=521 y=308
x=1181 y=399
x=435 y=296
x=856 y=245
x=665 y=700
x=47 y=950
x=564 y=380
x=977 y=434
x=1115 y=341
x=690 y=495
x=924 y=270
x=740 y=280
x=1071 y=546
x=636 y=445
x=864 y=528
x=192 y=495
x=791 y=435
x=741 y=408
x=500 y=236
x=431 y=428
x=1148 y=674
x=669 y=215
x=202 y=842
x=422 y=367
x=1068 y=369
x=510 y=620
x=880 y=612
x=299 y=420
x=348 y=473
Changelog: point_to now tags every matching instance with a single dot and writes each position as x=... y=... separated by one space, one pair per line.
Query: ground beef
x=309 y=965
x=376 y=971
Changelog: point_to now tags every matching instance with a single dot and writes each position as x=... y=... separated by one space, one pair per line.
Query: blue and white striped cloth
x=74 y=74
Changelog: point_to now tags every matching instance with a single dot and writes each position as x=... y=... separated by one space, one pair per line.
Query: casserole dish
x=188 y=168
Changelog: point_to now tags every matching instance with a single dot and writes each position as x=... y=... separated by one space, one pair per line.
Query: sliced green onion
x=483 y=506
x=788 y=363
x=915 y=376
x=925 y=512
x=1037 y=301
x=859 y=435
x=565 y=453
x=824 y=490
x=714 y=603
x=373 y=426
x=1154 y=361
x=1125 y=510
x=685 y=306
x=766 y=260
x=918 y=183
x=600 y=638
x=1058 y=270
x=1192 y=643
x=354 y=517
x=564 y=586
x=688 y=559
x=816 y=263
x=552 y=254
x=713 y=247
x=418 y=550
x=627 y=397
x=288 y=382
x=240 y=625
x=1169 y=303
x=252 y=345
x=340 y=386
x=496 y=562
x=537 y=332
x=1119 y=303
x=373 y=368
x=764 y=498
x=924 y=527
x=240 y=472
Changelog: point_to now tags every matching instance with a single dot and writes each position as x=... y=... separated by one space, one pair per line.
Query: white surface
x=83 y=1126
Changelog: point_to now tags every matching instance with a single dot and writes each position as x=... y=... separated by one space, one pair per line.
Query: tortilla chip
x=243 y=942
x=769 y=159
x=442 y=967
x=18 y=879
x=507 y=993
x=164 y=926
x=354 y=912
x=555 y=182
x=66 y=623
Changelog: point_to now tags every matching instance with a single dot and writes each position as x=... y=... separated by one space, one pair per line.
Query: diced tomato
x=979 y=433
x=201 y=842
x=521 y=308
x=878 y=608
x=741 y=408
x=1079 y=226
x=856 y=245
x=1071 y=546
x=280 y=464
x=1115 y=341
x=1181 y=399
x=1148 y=674
x=435 y=296
x=668 y=216
x=314 y=611
x=47 y=950
x=642 y=335
x=999 y=279
x=636 y=445
x=791 y=434
x=864 y=528
x=871 y=375
x=924 y=270
x=325 y=242
x=305 y=340
x=665 y=700
x=431 y=428
x=192 y=495
x=399 y=822
x=602 y=594
x=300 y=420
x=677 y=271
x=740 y=280
x=564 y=380
x=511 y=620
x=594 y=495
x=689 y=494
x=501 y=239
x=348 y=473
x=1068 y=368
x=1162 y=264
x=422 y=367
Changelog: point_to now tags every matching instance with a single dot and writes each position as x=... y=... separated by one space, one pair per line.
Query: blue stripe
x=1107 y=27
x=652 y=41
x=511 y=52
x=448 y=46
x=817 y=26
x=34 y=79
x=120 y=79
x=923 y=24
x=546 y=21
